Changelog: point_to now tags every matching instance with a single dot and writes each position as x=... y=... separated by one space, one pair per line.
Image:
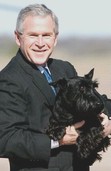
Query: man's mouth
x=40 y=51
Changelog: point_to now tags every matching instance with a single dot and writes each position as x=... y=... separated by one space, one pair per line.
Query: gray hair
x=35 y=10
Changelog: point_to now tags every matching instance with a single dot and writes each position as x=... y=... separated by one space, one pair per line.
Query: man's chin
x=40 y=62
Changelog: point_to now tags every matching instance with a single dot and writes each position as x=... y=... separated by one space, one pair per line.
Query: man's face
x=38 y=39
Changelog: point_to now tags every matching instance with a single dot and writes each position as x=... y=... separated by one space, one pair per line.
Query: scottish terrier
x=78 y=100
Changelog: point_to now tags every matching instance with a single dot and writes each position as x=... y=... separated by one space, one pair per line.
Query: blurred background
x=84 y=40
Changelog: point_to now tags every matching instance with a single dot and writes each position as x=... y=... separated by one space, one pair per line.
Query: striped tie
x=49 y=78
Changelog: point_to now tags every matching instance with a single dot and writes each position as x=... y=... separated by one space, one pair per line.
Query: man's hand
x=106 y=123
x=71 y=134
x=107 y=128
x=104 y=119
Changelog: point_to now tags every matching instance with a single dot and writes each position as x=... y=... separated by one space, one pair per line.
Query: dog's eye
x=82 y=89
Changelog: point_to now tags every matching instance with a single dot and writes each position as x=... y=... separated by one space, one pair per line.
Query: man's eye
x=47 y=36
x=33 y=36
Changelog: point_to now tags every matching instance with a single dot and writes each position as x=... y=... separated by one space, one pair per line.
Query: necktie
x=49 y=78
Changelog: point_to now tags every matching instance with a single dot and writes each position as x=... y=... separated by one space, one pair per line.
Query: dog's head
x=80 y=96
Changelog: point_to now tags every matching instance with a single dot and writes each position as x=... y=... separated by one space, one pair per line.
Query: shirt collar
x=41 y=68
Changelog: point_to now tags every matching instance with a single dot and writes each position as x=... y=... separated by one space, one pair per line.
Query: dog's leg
x=88 y=145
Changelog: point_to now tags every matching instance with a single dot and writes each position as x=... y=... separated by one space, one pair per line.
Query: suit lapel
x=38 y=79
x=55 y=70
x=41 y=82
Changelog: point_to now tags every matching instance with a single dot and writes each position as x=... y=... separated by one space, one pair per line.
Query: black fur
x=79 y=100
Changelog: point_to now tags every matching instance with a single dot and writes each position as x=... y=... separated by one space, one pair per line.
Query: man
x=26 y=98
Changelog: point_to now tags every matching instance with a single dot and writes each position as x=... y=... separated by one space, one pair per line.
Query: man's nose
x=40 y=40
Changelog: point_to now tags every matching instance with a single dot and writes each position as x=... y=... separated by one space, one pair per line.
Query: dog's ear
x=61 y=83
x=90 y=74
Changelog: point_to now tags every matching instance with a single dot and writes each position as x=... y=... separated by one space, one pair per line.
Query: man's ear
x=17 y=38
x=56 y=39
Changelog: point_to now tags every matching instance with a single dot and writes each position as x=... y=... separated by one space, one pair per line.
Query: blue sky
x=76 y=17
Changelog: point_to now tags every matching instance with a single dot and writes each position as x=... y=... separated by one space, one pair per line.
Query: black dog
x=79 y=100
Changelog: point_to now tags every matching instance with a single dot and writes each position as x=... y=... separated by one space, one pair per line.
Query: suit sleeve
x=107 y=103
x=16 y=138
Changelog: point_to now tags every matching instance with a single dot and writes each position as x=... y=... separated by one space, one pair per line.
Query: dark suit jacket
x=26 y=101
